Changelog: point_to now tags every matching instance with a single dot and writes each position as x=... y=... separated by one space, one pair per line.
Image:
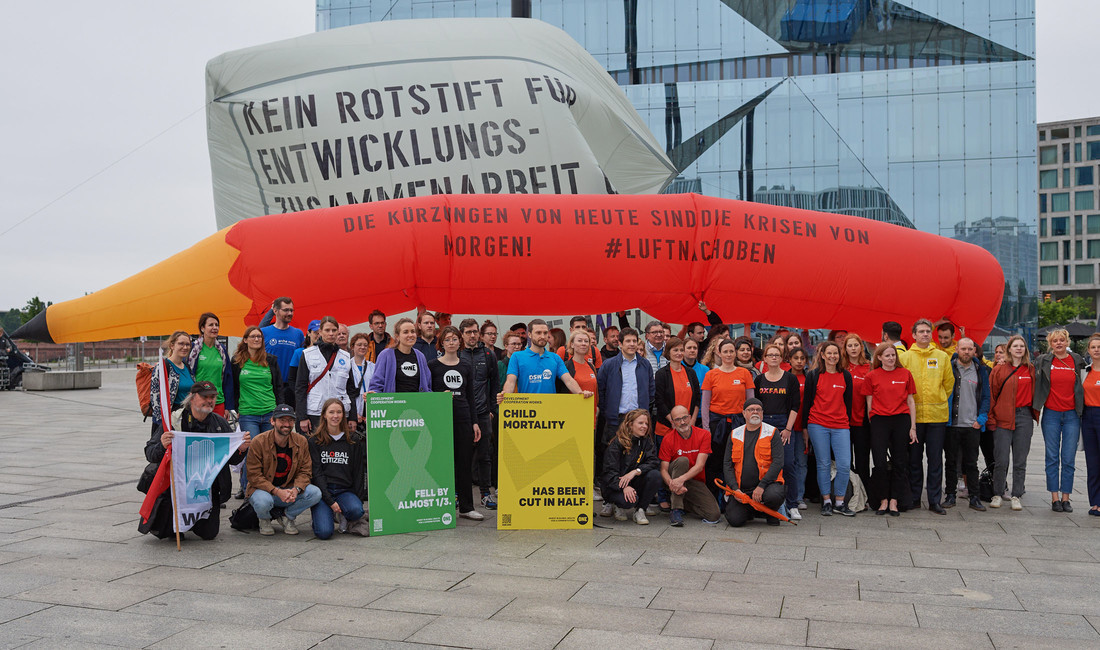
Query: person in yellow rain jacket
x=931 y=368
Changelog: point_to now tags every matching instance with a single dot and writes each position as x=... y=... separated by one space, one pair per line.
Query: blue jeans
x=839 y=441
x=253 y=424
x=263 y=502
x=322 y=514
x=1061 y=430
x=794 y=468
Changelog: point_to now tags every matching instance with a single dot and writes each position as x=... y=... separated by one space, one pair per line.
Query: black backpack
x=985 y=484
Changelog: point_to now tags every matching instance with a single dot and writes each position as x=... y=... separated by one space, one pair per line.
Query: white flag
x=196 y=461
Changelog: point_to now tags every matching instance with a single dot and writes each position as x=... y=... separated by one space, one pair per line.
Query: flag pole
x=175 y=511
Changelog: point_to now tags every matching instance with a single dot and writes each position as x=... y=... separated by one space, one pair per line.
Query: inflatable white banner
x=416 y=107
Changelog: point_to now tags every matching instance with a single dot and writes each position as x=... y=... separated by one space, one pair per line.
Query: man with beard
x=197 y=416
x=754 y=464
x=279 y=472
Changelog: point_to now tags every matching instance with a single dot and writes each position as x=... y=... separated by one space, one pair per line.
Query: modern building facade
x=1069 y=215
x=919 y=113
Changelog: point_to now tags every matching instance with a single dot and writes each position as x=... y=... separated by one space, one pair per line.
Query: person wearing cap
x=327 y=373
x=753 y=464
x=197 y=416
x=280 y=470
x=314 y=335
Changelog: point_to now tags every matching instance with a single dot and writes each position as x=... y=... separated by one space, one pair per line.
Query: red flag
x=161 y=482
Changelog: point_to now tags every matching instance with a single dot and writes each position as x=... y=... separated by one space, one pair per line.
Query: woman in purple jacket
x=402 y=368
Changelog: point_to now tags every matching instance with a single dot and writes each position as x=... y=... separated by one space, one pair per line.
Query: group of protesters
x=698 y=423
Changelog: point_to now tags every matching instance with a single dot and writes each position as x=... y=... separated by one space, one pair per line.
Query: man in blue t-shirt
x=534 y=370
x=280 y=339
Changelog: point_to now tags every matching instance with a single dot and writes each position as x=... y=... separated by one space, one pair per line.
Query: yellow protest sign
x=545 y=473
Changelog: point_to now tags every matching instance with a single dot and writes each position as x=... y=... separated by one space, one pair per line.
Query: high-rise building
x=1069 y=216
x=919 y=113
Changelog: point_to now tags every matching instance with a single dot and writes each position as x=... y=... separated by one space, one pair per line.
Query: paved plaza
x=74 y=571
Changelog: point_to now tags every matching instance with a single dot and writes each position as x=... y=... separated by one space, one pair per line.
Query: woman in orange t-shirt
x=725 y=389
x=578 y=365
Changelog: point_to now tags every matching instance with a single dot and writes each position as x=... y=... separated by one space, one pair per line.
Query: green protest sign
x=410 y=462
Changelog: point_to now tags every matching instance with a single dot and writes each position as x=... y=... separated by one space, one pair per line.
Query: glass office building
x=920 y=113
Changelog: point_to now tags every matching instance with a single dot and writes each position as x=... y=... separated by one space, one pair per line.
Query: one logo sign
x=409 y=368
x=446 y=518
x=582 y=518
x=452 y=379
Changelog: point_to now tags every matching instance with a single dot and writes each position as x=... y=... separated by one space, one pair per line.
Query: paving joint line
x=64 y=494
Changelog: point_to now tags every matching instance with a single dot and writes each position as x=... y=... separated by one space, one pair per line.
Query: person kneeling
x=630 y=474
x=683 y=468
x=338 y=455
x=279 y=471
x=754 y=465
x=197 y=416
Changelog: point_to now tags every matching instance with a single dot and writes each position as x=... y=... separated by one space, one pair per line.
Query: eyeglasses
x=681 y=418
x=256 y=336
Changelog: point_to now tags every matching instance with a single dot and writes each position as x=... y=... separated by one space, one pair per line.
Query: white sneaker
x=472 y=514
x=266 y=528
x=1016 y=504
x=288 y=526
x=620 y=514
x=802 y=505
x=607 y=510
x=652 y=511
x=795 y=515
x=995 y=502
x=639 y=517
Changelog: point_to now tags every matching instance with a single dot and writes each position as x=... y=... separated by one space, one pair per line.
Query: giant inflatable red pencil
x=551 y=254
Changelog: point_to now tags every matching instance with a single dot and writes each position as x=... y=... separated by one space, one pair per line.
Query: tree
x=34 y=307
x=1064 y=310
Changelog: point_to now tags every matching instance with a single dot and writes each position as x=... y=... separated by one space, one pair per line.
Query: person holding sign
x=450 y=374
x=401 y=368
x=534 y=370
x=683 y=458
x=198 y=416
x=754 y=465
x=630 y=468
x=339 y=458
x=328 y=374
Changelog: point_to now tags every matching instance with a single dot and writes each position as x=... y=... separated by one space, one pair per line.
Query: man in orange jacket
x=754 y=465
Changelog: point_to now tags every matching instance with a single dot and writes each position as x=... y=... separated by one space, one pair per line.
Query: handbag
x=244 y=517
x=147 y=476
x=985 y=484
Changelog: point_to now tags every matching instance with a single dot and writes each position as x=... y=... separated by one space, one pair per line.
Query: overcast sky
x=107 y=98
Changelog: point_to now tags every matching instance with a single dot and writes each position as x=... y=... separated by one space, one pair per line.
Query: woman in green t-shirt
x=257 y=383
x=209 y=361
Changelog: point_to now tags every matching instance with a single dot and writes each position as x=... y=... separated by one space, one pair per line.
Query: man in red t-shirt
x=683 y=459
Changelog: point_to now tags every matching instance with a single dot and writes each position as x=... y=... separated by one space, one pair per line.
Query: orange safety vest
x=763 y=451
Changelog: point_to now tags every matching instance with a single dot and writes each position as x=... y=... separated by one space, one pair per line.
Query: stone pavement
x=74 y=572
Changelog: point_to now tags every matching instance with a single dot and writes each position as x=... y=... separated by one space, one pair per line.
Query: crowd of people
x=699 y=423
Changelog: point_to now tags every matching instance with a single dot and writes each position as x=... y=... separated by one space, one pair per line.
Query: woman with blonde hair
x=176 y=348
x=1061 y=397
x=631 y=470
x=339 y=458
x=1012 y=389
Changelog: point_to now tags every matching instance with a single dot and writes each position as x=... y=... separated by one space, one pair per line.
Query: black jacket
x=276 y=380
x=665 y=396
x=617 y=462
x=484 y=375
